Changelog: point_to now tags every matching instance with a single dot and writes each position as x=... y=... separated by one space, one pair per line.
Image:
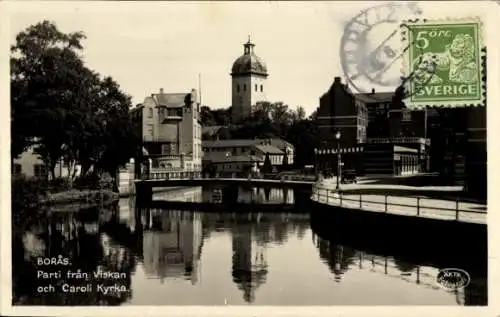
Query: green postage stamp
x=443 y=62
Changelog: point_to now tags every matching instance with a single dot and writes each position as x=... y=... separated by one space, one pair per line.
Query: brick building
x=375 y=136
x=339 y=110
x=381 y=137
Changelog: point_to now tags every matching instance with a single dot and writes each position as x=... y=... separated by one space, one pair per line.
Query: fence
x=415 y=206
x=171 y=175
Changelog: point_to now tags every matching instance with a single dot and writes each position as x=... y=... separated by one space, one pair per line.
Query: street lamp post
x=337 y=137
x=316 y=162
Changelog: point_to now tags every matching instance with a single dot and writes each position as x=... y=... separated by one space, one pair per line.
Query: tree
x=120 y=136
x=46 y=73
x=64 y=109
x=267 y=166
x=299 y=114
x=304 y=136
x=207 y=117
x=284 y=164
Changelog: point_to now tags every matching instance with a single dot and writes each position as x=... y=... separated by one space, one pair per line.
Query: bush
x=94 y=181
x=58 y=185
x=27 y=195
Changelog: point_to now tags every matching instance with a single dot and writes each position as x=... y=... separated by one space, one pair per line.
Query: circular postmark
x=453 y=278
x=370 y=49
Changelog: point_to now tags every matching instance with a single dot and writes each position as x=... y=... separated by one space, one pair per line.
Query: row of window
x=170 y=112
x=39 y=170
x=245 y=88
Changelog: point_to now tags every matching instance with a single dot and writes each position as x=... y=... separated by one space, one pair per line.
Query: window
x=255 y=87
x=150 y=131
x=175 y=112
x=238 y=88
x=150 y=112
x=17 y=169
x=406 y=115
x=261 y=88
x=40 y=171
x=244 y=87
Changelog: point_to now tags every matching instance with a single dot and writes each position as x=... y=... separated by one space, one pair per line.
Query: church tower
x=249 y=74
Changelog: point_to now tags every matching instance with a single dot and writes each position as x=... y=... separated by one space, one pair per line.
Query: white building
x=171 y=130
x=249 y=74
x=30 y=164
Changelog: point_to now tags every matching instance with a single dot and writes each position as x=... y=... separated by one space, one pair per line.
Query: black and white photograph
x=245 y=154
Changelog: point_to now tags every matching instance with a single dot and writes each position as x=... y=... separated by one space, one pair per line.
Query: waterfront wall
x=423 y=236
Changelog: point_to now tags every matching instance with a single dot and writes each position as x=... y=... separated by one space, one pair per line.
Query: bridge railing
x=171 y=175
x=404 y=205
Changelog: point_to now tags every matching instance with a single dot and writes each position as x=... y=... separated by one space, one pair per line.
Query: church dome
x=249 y=63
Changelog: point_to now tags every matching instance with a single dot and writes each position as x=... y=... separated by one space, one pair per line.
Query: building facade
x=376 y=135
x=171 y=130
x=339 y=110
x=227 y=165
x=249 y=75
x=249 y=152
x=29 y=164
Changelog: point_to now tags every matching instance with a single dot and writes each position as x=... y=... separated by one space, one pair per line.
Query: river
x=172 y=257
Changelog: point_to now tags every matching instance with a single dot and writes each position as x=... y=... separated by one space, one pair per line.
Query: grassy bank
x=29 y=193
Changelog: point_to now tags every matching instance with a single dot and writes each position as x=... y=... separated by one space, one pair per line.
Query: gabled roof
x=172 y=100
x=230 y=143
x=275 y=142
x=211 y=130
x=265 y=148
x=375 y=97
x=221 y=157
x=280 y=143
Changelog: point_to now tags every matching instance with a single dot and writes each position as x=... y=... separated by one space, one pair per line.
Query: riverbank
x=126 y=194
x=75 y=199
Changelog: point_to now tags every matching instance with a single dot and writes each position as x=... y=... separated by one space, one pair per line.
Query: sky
x=146 y=46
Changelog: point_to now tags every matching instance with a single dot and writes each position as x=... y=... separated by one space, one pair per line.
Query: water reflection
x=226 y=194
x=173 y=257
x=73 y=236
x=172 y=245
x=341 y=259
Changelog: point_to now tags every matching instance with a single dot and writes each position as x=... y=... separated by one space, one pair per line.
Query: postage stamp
x=444 y=61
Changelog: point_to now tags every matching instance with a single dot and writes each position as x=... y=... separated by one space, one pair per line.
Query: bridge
x=144 y=187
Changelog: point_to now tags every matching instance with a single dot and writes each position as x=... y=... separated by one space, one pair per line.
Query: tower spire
x=248 y=46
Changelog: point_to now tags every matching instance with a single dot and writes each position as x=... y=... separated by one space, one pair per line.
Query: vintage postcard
x=234 y=158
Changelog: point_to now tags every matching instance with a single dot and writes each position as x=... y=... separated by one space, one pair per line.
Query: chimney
x=161 y=91
x=373 y=91
x=337 y=80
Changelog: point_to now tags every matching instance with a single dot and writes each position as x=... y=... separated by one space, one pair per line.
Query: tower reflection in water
x=172 y=240
x=249 y=262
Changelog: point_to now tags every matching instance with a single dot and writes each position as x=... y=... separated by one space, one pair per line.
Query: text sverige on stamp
x=452 y=48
